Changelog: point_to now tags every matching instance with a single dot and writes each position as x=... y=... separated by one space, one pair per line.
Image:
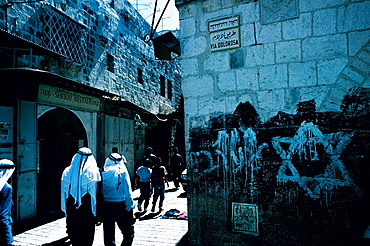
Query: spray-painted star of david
x=335 y=173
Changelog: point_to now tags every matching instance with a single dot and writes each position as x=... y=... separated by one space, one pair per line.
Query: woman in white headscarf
x=118 y=202
x=79 y=197
x=6 y=202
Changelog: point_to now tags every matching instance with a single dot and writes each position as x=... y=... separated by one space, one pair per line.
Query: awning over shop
x=23 y=83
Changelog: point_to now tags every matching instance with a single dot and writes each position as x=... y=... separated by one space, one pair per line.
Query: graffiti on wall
x=304 y=151
x=305 y=144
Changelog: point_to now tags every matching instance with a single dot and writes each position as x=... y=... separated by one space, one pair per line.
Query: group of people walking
x=91 y=196
x=151 y=179
x=87 y=202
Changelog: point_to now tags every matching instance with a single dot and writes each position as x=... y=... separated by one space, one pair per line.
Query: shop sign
x=224 y=34
x=70 y=98
x=245 y=218
x=4 y=131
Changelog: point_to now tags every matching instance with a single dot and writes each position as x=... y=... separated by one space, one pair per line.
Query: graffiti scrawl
x=304 y=144
x=287 y=157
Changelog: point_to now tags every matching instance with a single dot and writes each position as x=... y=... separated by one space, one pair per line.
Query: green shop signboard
x=57 y=95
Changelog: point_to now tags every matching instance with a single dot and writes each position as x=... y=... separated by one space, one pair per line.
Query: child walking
x=144 y=173
x=159 y=176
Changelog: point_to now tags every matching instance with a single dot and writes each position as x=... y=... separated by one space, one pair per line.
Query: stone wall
x=277 y=121
x=100 y=45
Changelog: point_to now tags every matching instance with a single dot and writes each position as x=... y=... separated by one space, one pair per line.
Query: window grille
x=64 y=36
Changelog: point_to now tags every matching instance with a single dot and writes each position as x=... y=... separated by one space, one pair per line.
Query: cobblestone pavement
x=150 y=228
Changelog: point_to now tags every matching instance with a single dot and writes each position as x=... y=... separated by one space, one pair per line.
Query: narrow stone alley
x=150 y=228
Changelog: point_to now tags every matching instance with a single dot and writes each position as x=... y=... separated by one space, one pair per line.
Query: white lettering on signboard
x=61 y=96
x=223 y=24
x=224 y=34
x=225 y=40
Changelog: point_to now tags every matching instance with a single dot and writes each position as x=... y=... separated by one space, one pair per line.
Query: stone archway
x=60 y=134
x=354 y=74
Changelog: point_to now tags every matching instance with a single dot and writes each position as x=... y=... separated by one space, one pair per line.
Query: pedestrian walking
x=118 y=201
x=158 y=179
x=143 y=180
x=79 y=197
x=176 y=167
x=149 y=155
x=6 y=203
x=115 y=150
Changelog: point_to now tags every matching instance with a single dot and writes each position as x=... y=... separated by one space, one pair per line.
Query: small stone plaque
x=245 y=218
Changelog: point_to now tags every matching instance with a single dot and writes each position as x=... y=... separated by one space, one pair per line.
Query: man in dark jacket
x=176 y=167
x=6 y=202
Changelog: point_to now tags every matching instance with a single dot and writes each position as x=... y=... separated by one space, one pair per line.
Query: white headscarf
x=113 y=167
x=115 y=171
x=6 y=170
x=79 y=178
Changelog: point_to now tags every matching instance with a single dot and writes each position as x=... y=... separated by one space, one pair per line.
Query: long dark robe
x=6 y=221
x=80 y=222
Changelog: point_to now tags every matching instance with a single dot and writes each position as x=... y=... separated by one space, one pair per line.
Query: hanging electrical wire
x=149 y=36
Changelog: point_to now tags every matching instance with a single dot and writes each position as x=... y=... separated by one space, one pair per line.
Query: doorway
x=60 y=135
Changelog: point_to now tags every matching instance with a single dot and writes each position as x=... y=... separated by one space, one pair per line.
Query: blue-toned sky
x=170 y=19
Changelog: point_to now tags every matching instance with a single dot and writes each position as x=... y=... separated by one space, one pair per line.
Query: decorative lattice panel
x=64 y=36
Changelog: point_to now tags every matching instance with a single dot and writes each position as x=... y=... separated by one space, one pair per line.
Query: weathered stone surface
x=356 y=40
x=269 y=33
x=189 y=66
x=187 y=27
x=117 y=31
x=354 y=17
x=298 y=28
x=259 y=133
x=196 y=86
x=275 y=76
x=319 y=48
x=309 y=5
x=217 y=62
x=302 y=74
x=260 y=55
x=273 y=11
x=247 y=79
x=289 y=51
x=194 y=46
x=226 y=81
x=324 y=22
x=328 y=70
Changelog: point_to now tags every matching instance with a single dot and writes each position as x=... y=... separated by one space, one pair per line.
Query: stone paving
x=150 y=228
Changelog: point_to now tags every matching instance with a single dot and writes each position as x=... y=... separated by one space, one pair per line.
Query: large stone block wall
x=281 y=122
x=307 y=45
x=107 y=30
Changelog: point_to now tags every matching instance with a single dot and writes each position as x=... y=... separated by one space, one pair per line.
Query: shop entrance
x=60 y=134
